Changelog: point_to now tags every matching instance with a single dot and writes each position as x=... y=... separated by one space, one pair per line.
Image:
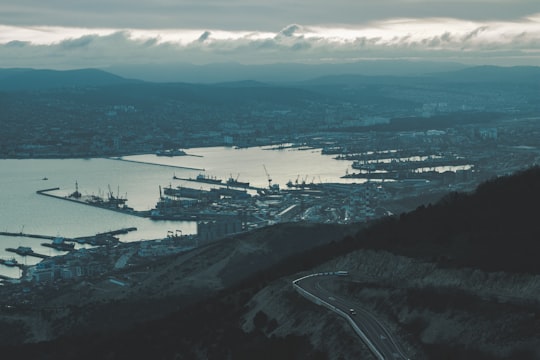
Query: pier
x=104 y=238
x=64 y=246
x=21 y=234
x=12 y=263
x=155 y=164
x=92 y=201
x=26 y=251
x=117 y=232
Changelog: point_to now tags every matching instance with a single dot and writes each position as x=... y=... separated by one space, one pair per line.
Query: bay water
x=138 y=178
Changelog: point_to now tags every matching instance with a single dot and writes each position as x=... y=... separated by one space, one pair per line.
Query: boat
x=61 y=247
x=59 y=244
x=185 y=192
x=207 y=179
x=23 y=250
x=171 y=152
x=26 y=251
x=10 y=262
x=363 y=165
x=234 y=182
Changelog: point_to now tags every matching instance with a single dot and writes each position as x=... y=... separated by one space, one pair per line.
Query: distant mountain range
x=243 y=76
x=31 y=79
x=492 y=74
x=276 y=73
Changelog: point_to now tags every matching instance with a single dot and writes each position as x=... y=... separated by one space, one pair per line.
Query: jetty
x=113 y=203
x=118 y=232
x=12 y=263
x=21 y=234
x=104 y=238
x=27 y=251
x=157 y=164
x=60 y=243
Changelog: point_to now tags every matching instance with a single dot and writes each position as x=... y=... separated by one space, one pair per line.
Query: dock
x=156 y=164
x=26 y=251
x=117 y=232
x=104 y=238
x=92 y=201
x=60 y=246
x=12 y=263
x=21 y=234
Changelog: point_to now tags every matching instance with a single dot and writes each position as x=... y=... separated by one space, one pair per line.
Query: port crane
x=270 y=185
x=268 y=176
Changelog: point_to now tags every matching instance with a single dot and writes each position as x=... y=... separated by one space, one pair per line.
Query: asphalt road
x=386 y=346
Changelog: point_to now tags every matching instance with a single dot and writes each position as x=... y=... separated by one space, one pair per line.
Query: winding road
x=373 y=333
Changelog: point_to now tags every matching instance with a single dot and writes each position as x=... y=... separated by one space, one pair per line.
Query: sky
x=69 y=34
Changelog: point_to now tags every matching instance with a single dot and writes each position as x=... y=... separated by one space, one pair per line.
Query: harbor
x=234 y=201
x=60 y=244
x=250 y=188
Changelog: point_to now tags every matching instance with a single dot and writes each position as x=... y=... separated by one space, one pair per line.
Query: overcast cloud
x=72 y=33
x=259 y=15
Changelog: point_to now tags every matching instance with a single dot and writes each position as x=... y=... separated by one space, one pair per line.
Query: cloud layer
x=495 y=42
x=248 y=15
x=70 y=34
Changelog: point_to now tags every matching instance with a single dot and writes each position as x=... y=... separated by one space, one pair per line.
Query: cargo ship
x=59 y=244
x=234 y=182
x=10 y=262
x=171 y=152
x=207 y=179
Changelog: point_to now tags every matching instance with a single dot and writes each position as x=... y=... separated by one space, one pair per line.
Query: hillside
x=155 y=289
x=495 y=228
x=458 y=279
x=455 y=280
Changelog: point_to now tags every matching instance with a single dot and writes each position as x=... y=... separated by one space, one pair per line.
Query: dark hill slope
x=495 y=228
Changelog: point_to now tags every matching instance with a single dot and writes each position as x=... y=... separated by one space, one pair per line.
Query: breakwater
x=155 y=164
